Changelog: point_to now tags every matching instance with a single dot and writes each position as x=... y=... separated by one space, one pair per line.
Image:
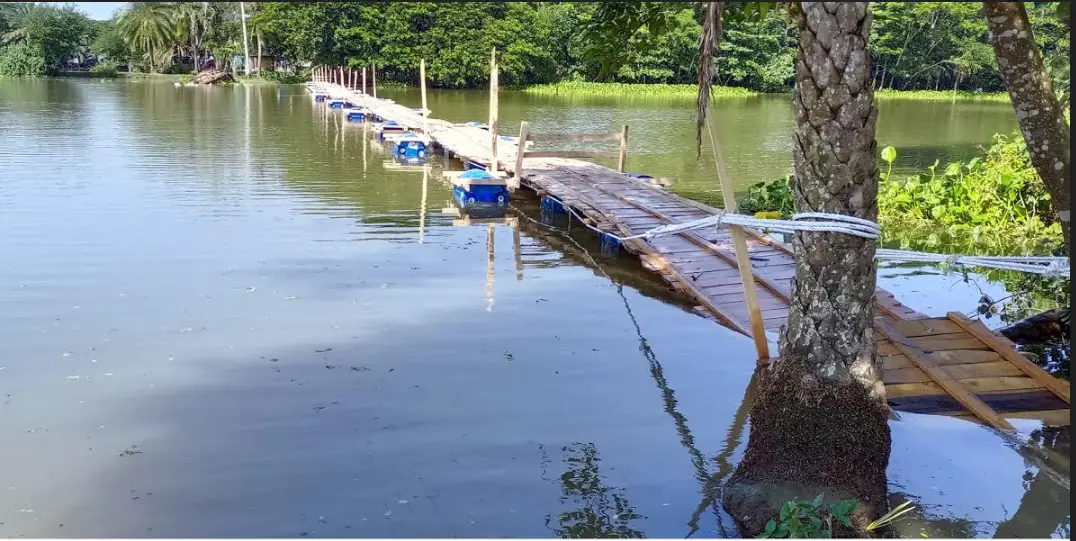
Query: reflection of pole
x=365 y=143
x=422 y=207
x=517 y=251
x=489 y=268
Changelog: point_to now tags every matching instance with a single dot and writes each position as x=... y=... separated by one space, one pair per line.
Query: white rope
x=849 y=225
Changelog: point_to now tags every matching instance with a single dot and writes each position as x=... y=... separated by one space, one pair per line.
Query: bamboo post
x=373 y=75
x=623 y=149
x=743 y=259
x=493 y=105
x=524 y=134
x=341 y=82
x=364 y=80
x=422 y=84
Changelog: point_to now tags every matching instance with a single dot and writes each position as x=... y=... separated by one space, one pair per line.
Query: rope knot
x=952 y=259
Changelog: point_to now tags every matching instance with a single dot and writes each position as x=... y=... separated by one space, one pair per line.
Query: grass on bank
x=582 y=88
x=940 y=95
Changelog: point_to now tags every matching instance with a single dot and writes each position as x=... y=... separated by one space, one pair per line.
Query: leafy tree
x=50 y=32
x=151 y=30
x=109 y=44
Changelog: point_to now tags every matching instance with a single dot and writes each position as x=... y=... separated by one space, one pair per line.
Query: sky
x=98 y=10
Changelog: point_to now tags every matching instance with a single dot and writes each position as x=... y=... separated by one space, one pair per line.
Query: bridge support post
x=493 y=106
x=623 y=149
x=521 y=150
x=743 y=259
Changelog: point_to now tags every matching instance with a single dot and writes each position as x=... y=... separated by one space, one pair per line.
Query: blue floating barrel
x=609 y=245
x=340 y=104
x=320 y=97
x=356 y=115
x=477 y=124
x=410 y=146
x=478 y=187
x=472 y=166
x=640 y=176
x=389 y=126
x=552 y=205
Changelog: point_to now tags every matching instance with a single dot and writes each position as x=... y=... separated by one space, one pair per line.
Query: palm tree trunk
x=1038 y=111
x=820 y=421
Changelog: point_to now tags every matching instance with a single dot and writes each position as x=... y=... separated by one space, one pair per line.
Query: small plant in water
x=805 y=519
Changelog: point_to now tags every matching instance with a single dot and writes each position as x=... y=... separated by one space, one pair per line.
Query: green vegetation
x=583 y=88
x=37 y=39
x=940 y=95
x=806 y=519
x=994 y=203
x=106 y=69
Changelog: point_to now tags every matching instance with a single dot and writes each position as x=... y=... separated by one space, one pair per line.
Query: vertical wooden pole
x=373 y=75
x=743 y=259
x=342 y=80
x=493 y=106
x=422 y=79
x=623 y=149
x=364 y=80
x=517 y=174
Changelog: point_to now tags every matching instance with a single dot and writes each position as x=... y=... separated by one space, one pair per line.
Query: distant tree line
x=914 y=45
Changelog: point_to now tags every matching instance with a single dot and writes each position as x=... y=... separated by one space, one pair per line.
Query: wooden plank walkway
x=948 y=366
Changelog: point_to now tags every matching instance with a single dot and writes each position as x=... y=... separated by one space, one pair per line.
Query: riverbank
x=580 y=88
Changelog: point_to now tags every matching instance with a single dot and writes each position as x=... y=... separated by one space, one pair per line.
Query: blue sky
x=98 y=10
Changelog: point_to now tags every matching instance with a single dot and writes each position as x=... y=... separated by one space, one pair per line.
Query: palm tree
x=196 y=22
x=151 y=28
x=820 y=419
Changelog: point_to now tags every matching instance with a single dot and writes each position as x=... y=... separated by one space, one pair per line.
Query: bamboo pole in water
x=517 y=251
x=422 y=205
x=422 y=84
x=493 y=106
x=743 y=259
x=364 y=80
x=623 y=149
x=373 y=76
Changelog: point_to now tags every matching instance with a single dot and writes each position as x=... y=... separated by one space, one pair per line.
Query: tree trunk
x=819 y=424
x=259 y=64
x=1038 y=111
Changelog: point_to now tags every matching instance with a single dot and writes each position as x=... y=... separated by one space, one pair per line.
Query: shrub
x=106 y=69
x=22 y=60
x=285 y=77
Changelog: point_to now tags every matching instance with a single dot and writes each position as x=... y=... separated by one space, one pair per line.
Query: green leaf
x=889 y=154
x=817 y=501
x=953 y=169
x=786 y=510
x=771 y=526
x=782 y=530
x=844 y=520
x=816 y=522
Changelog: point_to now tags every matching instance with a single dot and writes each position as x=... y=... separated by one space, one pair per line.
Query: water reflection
x=1044 y=509
x=595 y=510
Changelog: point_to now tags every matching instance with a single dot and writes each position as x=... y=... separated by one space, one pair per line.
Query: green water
x=223 y=312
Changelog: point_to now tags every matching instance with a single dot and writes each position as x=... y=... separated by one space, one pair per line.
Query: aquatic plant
x=806 y=520
x=583 y=88
x=106 y=69
x=940 y=95
x=768 y=198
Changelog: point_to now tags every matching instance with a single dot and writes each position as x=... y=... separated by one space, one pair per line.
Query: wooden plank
x=1007 y=404
x=893 y=360
x=923 y=327
x=940 y=377
x=577 y=137
x=1057 y=386
x=978 y=372
x=943 y=344
x=566 y=154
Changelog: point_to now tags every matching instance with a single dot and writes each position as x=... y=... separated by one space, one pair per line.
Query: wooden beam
x=577 y=137
x=373 y=75
x=957 y=390
x=623 y=149
x=493 y=109
x=1059 y=387
x=422 y=82
x=743 y=258
x=364 y=80
x=524 y=136
x=566 y=154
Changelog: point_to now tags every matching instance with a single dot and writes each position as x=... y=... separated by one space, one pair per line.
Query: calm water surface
x=222 y=313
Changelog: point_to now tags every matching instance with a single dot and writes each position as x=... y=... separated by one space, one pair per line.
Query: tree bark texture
x=1038 y=111
x=820 y=421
